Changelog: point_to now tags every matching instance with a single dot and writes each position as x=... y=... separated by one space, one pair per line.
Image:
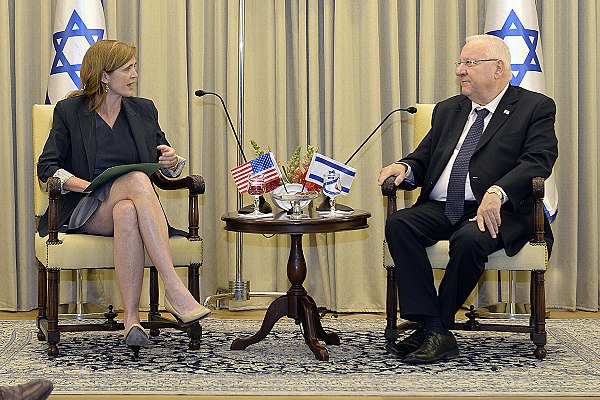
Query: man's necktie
x=455 y=198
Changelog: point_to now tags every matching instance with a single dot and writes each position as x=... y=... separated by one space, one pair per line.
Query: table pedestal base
x=296 y=304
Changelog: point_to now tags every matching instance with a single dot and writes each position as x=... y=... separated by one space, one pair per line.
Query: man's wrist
x=496 y=190
x=405 y=165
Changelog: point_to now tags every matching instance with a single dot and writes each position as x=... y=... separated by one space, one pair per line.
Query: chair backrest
x=422 y=121
x=422 y=124
x=42 y=122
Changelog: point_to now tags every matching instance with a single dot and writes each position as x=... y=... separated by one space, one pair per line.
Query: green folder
x=115 y=172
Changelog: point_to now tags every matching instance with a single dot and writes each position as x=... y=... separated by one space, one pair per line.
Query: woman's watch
x=495 y=190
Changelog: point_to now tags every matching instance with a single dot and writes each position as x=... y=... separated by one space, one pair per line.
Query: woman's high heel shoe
x=190 y=317
x=136 y=337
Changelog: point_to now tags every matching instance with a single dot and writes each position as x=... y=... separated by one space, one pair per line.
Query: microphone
x=201 y=93
x=264 y=207
x=410 y=110
x=324 y=206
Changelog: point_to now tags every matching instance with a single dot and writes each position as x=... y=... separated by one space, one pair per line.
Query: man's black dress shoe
x=407 y=345
x=39 y=389
x=436 y=347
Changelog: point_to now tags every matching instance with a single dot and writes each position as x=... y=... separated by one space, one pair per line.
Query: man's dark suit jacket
x=71 y=144
x=518 y=144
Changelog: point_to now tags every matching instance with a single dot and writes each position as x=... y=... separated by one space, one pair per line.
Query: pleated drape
x=323 y=73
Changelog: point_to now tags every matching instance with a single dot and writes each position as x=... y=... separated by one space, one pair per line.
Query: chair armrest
x=537 y=184
x=194 y=183
x=195 y=186
x=54 y=191
x=389 y=189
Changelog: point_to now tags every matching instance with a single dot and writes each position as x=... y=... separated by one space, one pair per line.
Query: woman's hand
x=168 y=156
x=75 y=184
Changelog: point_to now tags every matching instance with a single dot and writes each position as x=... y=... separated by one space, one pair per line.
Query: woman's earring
x=106 y=88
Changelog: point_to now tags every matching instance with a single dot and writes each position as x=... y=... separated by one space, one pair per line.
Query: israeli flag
x=516 y=23
x=78 y=24
x=321 y=165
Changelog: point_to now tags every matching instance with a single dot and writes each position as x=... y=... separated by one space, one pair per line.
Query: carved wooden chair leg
x=391 y=308
x=539 y=314
x=532 y=302
x=194 y=332
x=153 y=313
x=194 y=280
x=42 y=298
x=53 y=335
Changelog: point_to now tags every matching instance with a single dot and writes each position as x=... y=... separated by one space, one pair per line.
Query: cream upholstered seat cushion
x=98 y=251
x=532 y=257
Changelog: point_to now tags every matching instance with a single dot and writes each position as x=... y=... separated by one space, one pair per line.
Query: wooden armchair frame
x=537 y=321
x=187 y=252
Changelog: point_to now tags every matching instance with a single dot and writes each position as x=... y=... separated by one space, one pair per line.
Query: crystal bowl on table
x=284 y=196
x=293 y=199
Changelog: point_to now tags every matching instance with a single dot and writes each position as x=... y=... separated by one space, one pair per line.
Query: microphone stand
x=325 y=205
x=263 y=205
x=238 y=290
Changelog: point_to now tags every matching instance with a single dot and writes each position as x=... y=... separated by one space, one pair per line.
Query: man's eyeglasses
x=473 y=63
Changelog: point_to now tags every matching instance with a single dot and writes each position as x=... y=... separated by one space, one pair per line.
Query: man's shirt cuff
x=408 y=175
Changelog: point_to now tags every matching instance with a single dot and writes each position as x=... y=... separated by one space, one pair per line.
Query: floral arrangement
x=294 y=171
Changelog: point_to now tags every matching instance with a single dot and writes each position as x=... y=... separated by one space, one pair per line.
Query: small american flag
x=264 y=163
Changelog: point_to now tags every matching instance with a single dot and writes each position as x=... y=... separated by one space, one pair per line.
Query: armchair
x=59 y=251
x=532 y=257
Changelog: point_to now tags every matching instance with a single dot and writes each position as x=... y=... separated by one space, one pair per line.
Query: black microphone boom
x=265 y=207
x=325 y=205
x=201 y=93
x=411 y=110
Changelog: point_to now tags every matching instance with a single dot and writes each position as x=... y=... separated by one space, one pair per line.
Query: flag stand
x=326 y=206
x=263 y=206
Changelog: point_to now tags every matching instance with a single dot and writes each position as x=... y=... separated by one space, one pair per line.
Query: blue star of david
x=530 y=37
x=75 y=27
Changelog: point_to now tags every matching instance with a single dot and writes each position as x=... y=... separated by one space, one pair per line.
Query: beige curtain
x=323 y=73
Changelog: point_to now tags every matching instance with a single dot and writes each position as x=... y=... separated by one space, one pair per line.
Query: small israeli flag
x=516 y=23
x=78 y=24
x=321 y=165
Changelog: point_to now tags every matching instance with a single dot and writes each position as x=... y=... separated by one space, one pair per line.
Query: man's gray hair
x=497 y=49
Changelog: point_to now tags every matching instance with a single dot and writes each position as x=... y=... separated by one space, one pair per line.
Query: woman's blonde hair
x=102 y=56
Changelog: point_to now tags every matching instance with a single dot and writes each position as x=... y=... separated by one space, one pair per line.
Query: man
x=475 y=168
x=38 y=389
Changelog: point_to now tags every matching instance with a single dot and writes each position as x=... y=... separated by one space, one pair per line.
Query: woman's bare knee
x=135 y=180
x=125 y=214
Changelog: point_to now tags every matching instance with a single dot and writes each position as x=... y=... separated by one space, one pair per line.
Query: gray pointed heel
x=136 y=338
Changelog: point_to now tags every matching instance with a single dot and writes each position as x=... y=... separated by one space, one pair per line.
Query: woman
x=98 y=127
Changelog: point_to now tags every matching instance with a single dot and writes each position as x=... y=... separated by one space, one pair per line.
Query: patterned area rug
x=489 y=363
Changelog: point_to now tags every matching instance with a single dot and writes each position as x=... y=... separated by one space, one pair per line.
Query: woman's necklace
x=110 y=120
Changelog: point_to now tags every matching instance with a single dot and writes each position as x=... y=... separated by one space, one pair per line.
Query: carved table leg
x=327 y=337
x=296 y=304
x=276 y=310
x=310 y=319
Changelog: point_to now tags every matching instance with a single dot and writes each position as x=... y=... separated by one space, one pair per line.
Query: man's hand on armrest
x=396 y=169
